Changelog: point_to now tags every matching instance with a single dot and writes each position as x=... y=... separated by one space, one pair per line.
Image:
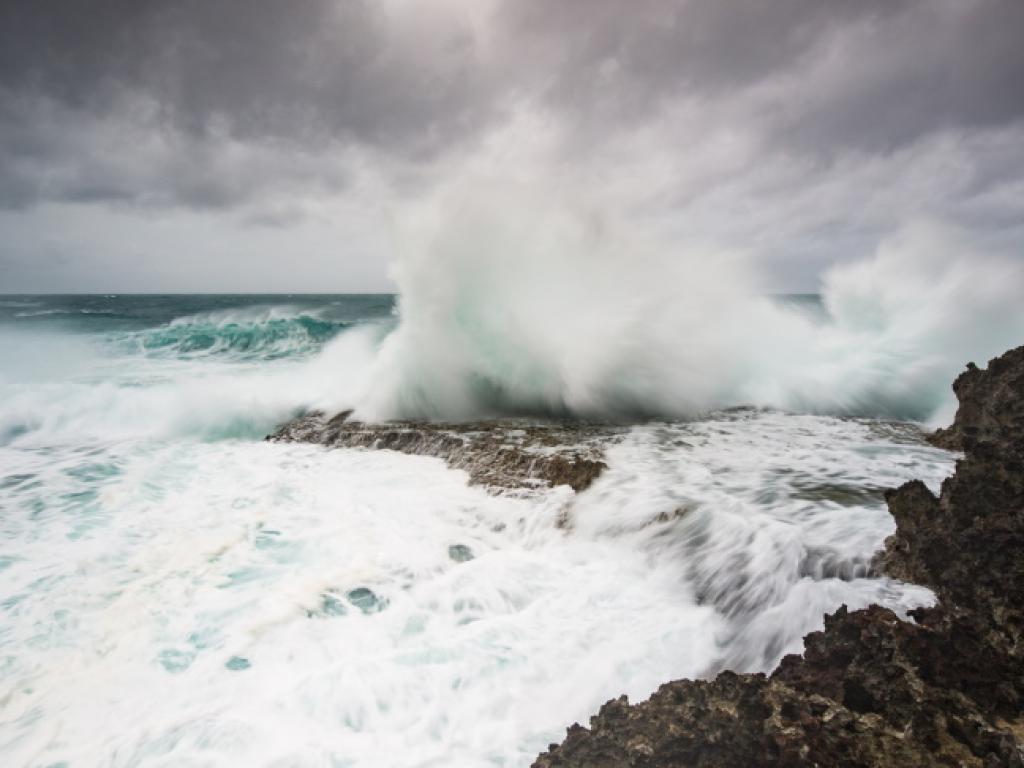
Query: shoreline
x=504 y=455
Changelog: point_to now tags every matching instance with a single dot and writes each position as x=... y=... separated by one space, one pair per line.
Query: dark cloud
x=604 y=54
x=127 y=155
x=801 y=126
x=303 y=70
x=301 y=76
x=413 y=80
x=821 y=77
x=937 y=66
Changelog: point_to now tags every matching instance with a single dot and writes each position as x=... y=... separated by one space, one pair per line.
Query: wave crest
x=252 y=334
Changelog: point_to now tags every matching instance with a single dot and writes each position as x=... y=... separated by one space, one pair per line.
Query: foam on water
x=183 y=603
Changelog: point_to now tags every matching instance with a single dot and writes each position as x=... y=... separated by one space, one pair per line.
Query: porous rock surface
x=871 y=689
x=987 y=402
x=499 y=454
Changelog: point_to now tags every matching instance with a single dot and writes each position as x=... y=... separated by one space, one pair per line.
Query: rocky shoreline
x=503 y=455
x=871 y=689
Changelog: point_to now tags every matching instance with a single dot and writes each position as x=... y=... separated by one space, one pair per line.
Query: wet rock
x=499 y=454
x=872 y=689
x=460 y=553
x=331 y=605
x=365 y=600
x=990 y=403
x=237 y=664
x=175 y=660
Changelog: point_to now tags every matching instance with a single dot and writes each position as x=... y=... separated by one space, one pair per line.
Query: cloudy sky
x=275 y=145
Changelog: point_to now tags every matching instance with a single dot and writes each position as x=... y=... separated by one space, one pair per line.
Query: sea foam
x=175 y=602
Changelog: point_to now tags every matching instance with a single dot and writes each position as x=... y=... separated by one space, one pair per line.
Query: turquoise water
x=90 y=367
x=254 y=325
x=136 y=311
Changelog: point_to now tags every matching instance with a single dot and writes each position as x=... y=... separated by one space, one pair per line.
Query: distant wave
x=50 y=312
x=254 y=334
x=42 y=312
x=222 y=373
x=66 y=389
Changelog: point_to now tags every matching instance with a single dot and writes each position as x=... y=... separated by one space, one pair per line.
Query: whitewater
x=174 y=590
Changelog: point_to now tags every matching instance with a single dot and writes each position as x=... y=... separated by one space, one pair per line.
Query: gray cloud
x=290 y=79
x=602 y=54
x=798 y=129
x=937 y=66
x=820 y=77
x=305 y=70
x=413 y=81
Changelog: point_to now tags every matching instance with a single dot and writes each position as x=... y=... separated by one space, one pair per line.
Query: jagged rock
x=987 y=404
x=872 y=689
x=499 y=454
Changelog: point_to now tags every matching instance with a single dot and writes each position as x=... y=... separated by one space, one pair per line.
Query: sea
x=177 y=591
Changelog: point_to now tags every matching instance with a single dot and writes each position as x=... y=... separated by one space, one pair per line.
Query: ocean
x=174 y=590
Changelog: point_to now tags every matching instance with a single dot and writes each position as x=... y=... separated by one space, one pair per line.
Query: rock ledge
x=499 y=454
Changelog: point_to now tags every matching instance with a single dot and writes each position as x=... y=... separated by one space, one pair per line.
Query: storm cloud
x=798 y=130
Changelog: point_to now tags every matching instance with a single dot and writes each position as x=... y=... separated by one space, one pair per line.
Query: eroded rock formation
x=499 y=454
x=872 y=689
x=990 y=403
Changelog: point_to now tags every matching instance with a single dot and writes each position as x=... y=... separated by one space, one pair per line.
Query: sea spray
x=515 y=300
x=907 y=319
x=515 y=303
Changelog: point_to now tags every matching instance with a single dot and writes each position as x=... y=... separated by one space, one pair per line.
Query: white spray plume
x=517 y=298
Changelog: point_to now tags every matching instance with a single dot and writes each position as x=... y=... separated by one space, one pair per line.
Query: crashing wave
x=518 y=304
x=262 y=334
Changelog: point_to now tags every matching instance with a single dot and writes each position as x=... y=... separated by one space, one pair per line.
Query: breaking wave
x=519 y=304
x=259 y=334
x=212 y=376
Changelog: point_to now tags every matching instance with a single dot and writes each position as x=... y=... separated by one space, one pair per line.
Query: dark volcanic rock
x=500 y=454
x=988 y=407
x=871 y=689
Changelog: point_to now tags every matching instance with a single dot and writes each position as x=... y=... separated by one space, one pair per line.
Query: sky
x=271 y=145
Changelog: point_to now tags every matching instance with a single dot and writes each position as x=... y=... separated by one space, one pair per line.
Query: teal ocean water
x=89 y=365
x=176 y=591
x=238 y=326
